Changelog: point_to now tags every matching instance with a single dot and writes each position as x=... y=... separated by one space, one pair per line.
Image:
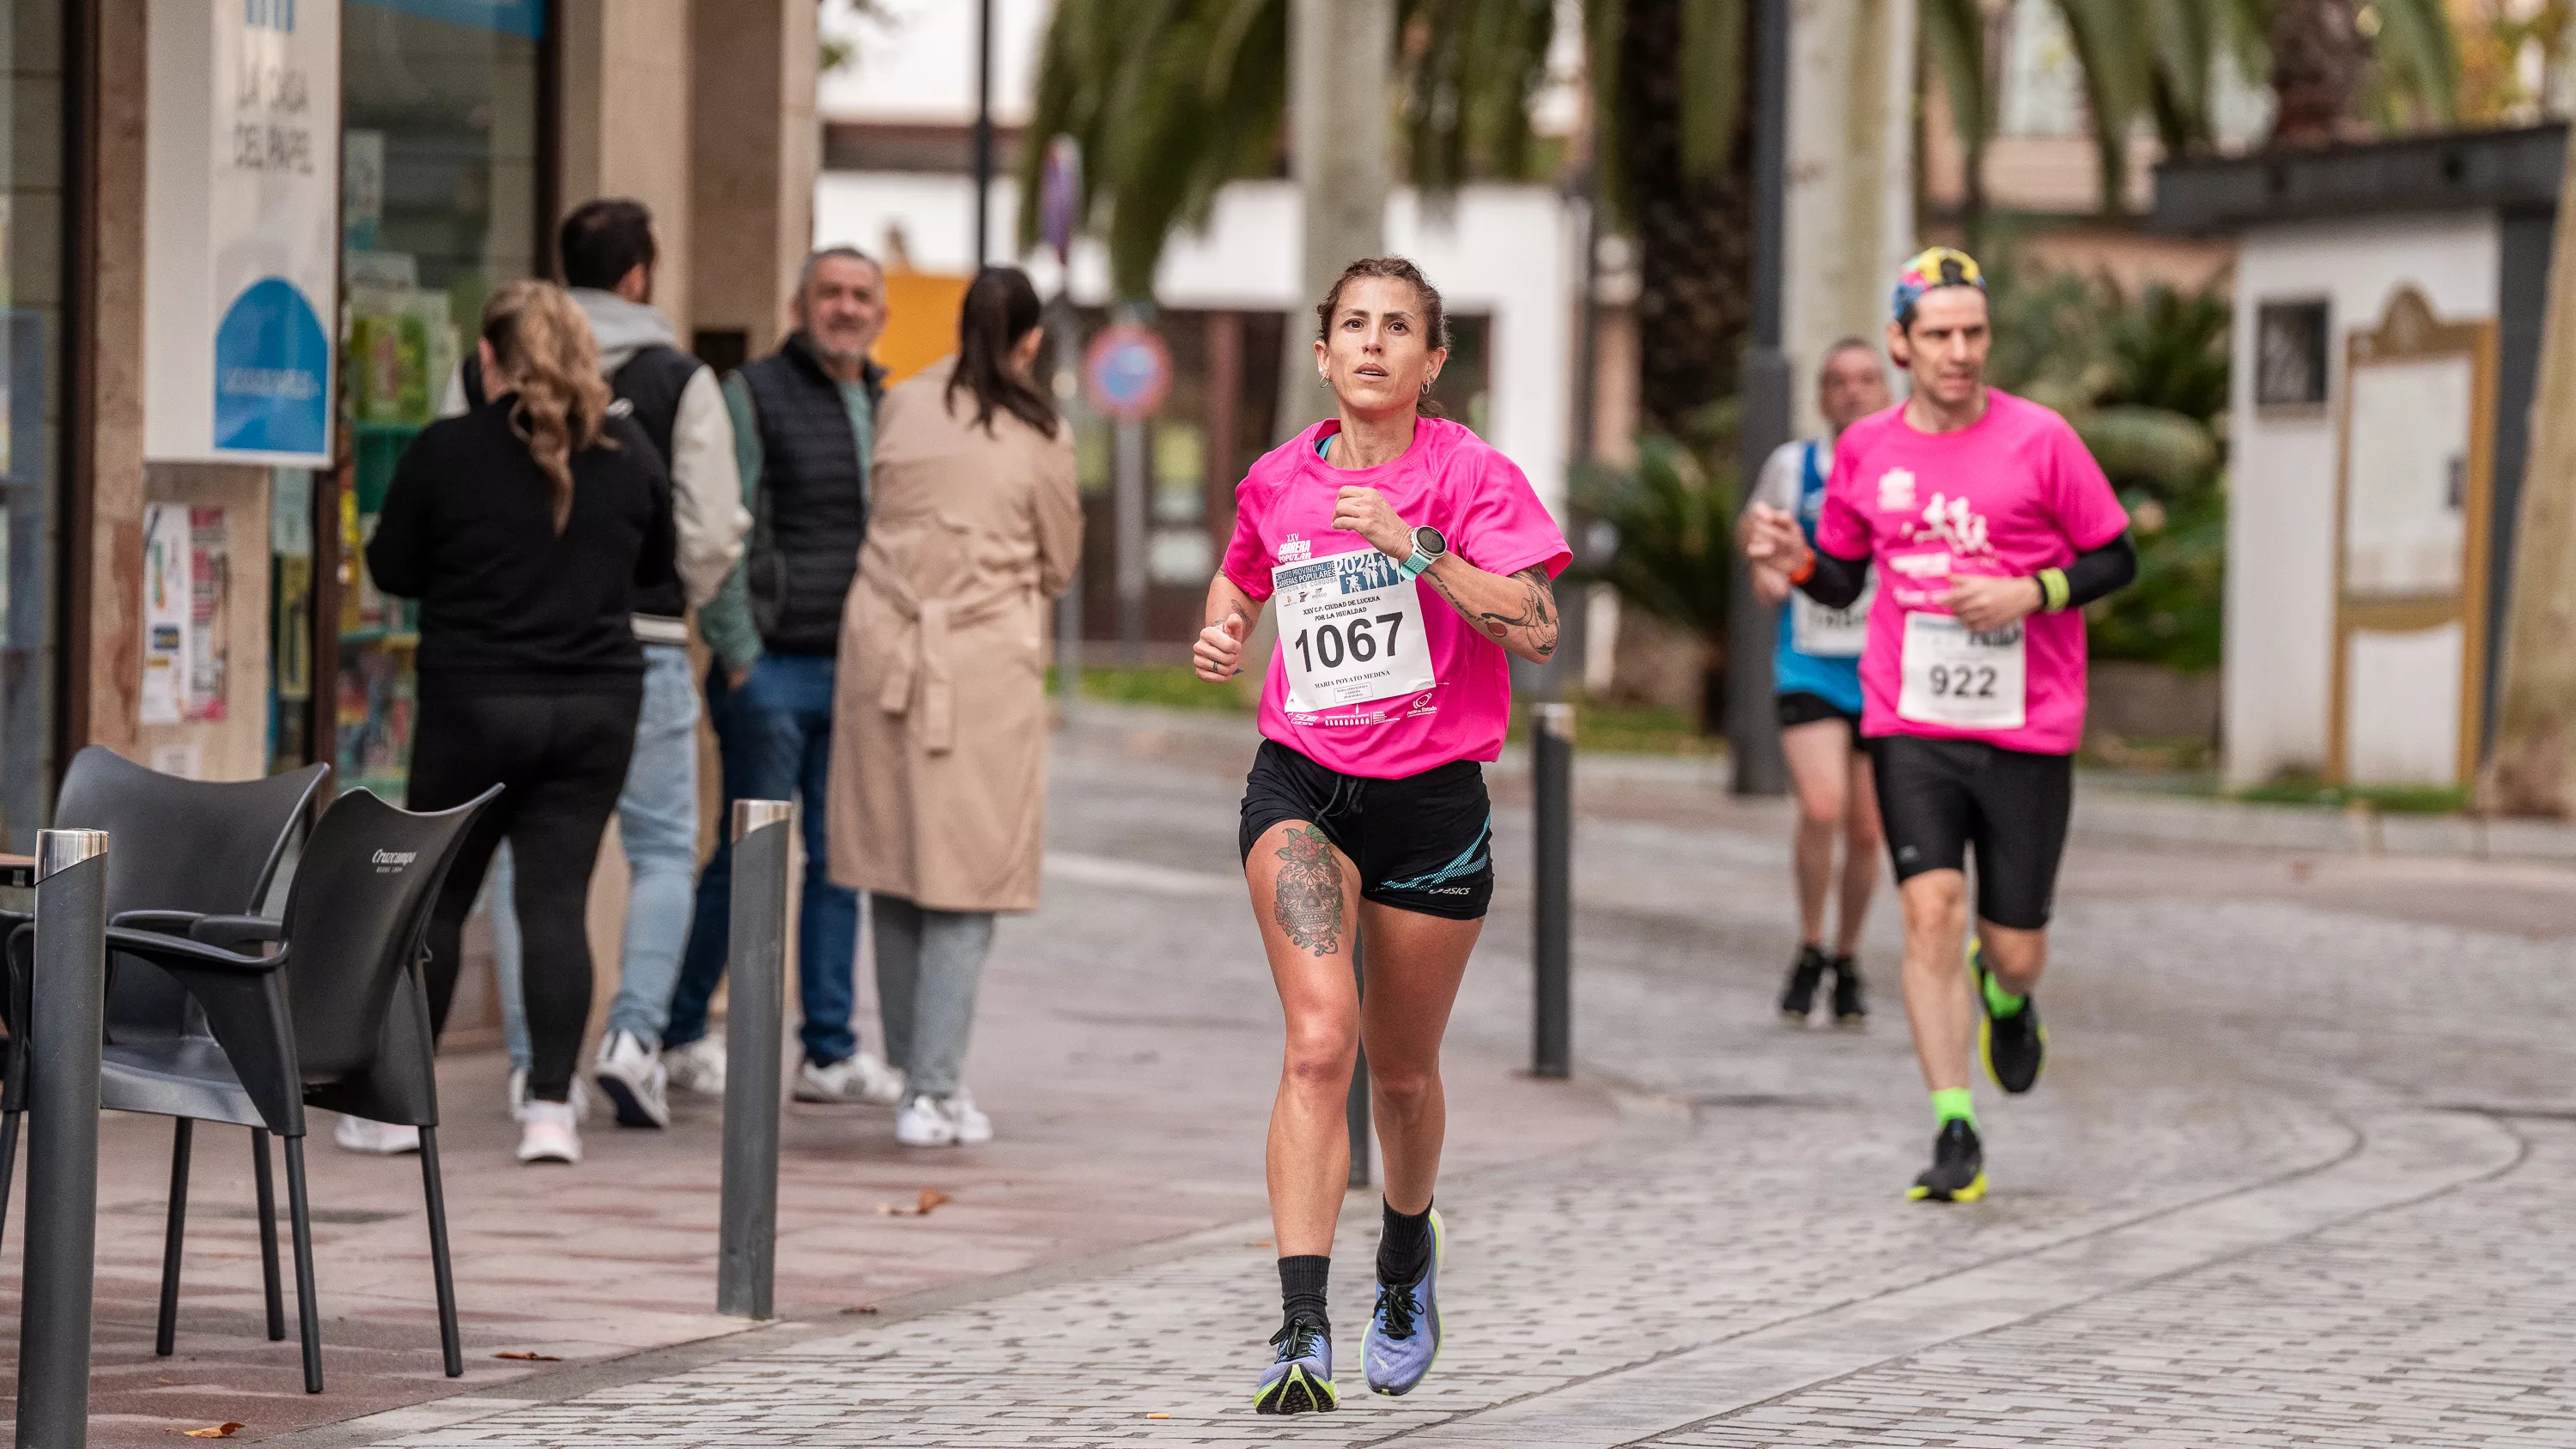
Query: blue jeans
x=774 y=739
x=657 y=823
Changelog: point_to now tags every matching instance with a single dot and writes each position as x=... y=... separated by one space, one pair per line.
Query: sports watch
x=1428 y=546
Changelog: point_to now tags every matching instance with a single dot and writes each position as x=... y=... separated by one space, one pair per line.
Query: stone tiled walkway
x=2295 y=1176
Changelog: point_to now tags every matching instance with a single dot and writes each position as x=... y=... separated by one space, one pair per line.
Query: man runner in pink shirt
x=1990 y=527
x=1407 y=560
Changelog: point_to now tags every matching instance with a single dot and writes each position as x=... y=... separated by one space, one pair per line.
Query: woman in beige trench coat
x=939 y=721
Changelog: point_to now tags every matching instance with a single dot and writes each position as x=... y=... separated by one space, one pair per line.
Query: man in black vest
x=609 y=253
x=804 y=426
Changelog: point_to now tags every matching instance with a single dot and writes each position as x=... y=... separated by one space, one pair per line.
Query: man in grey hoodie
x=609 y=252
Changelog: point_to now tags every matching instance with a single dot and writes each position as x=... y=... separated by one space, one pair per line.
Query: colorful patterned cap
x=1934 y=267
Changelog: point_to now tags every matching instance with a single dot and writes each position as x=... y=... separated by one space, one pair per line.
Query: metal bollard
x=747 y=1237
x=1552 y=945
x=1068 y=649
x=1355 y=1110
x=66 y=1019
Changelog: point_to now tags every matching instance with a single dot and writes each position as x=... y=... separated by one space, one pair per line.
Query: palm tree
x=2154 y=60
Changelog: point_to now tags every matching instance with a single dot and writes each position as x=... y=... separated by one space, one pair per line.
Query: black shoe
x=1850 y=1010
x=1798 y=998
x=2015 y=1047
x=1958 y=1170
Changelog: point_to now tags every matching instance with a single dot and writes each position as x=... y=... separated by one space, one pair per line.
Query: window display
x=439 y=205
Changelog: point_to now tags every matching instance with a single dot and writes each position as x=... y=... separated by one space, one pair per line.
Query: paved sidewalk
x=2295 y=1176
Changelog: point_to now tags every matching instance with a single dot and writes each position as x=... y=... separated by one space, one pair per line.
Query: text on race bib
x=1350 y=631
x=1962 y=679
x=1822 y=633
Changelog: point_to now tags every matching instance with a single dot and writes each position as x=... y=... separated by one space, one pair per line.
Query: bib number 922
x=1330 y=644
x=1962 y=681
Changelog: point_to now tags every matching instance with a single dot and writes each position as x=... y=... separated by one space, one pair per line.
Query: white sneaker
x=859 y=1078
x=549 y=1132
x=519 y=1096
x=924 y=1122
x=974 y=1129
x=382 y=1139
x=949 y=1121
x=632 y=1077
x=697 y=1067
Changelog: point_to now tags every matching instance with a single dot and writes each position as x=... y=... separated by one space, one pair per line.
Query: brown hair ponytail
x=549 y=358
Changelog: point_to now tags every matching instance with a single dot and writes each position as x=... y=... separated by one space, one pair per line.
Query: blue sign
x=1129 y=370
x=272 y=373
x=510 y=17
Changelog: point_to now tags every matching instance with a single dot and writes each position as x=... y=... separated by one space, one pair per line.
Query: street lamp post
x=1752 y=729
x=983 y=130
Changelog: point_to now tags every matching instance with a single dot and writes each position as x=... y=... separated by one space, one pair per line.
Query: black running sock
x=1301 y=1289
x=1404 y=1246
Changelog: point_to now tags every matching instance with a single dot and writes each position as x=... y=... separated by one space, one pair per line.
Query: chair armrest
x=234 y=932
x=168 y=923
x=179 y=951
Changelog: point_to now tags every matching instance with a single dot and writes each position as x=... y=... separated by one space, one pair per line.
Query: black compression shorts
x=1938 y=797
x=1423 y=843
x=1802 y=706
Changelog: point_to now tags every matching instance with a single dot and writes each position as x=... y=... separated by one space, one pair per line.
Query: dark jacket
x=810 y=503
x=508 y=606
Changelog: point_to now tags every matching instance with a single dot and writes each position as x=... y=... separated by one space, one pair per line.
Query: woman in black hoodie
x=524 y=527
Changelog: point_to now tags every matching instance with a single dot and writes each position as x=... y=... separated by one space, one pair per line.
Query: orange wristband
x=1805 y=570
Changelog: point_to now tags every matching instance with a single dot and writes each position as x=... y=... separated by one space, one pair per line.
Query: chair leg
x=165 y=1336
x=8 y=1161
x=267 y=1180
x=299 y=1213
x=442 y=1267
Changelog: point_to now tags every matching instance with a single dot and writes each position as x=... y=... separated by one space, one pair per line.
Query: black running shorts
x=1800 y=706
x=1423 y=843
x=1938 y=797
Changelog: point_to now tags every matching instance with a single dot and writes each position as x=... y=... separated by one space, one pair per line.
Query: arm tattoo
x=1309 y=906
x=1536 y=616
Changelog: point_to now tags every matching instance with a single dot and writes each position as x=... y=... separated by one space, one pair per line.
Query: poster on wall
x=187 y=603
x=241 y=230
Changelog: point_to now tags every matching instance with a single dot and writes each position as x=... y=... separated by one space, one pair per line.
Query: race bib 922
x=1963 y=679
x=1350 y=631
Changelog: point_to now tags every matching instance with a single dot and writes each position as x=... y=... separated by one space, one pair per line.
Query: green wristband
x=2052 y=589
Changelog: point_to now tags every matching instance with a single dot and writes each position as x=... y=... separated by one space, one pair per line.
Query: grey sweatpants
x=928 y=966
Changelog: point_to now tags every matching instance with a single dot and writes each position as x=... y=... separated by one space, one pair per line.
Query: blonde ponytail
x=549 y=358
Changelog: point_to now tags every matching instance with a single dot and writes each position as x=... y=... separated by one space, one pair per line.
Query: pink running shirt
x=1481 y=503
x=2010 y=494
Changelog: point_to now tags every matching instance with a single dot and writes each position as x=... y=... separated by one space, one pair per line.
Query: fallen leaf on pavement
x=931 y=1197
x=1158 y=1416
x=862 y=1308
x=531 y=1357
x=214 y=1431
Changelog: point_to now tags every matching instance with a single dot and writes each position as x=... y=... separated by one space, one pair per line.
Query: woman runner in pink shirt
x=1365 y=812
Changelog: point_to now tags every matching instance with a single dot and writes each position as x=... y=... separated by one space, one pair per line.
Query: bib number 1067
x=1330 y=644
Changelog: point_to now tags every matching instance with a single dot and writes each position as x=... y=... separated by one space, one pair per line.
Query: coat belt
x=928 y=661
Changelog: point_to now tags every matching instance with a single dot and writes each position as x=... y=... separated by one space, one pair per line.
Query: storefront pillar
x=623 y=122
x=755 y=147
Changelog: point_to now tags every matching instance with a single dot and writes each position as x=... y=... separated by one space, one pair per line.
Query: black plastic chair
x=336 y=1017
x=189 y=847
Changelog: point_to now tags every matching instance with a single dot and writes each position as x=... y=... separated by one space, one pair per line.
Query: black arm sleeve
x=1837 y=580
x=2098 y=571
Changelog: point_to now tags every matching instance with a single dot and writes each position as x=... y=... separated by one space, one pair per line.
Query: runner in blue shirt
x=1815 y=673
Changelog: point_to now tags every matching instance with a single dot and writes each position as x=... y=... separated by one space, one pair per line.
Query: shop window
x=440 y=203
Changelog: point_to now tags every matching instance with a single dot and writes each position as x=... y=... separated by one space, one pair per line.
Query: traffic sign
x=1127 y=371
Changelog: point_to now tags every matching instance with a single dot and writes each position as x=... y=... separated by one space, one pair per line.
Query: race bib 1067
x=1961 y=678
x=1350 y=631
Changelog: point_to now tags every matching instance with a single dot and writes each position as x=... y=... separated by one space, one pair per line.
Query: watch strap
x=1418 y=562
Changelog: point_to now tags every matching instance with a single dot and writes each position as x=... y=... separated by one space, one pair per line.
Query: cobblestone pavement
x=2294 y=1177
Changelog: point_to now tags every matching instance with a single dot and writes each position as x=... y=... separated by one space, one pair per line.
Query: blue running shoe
x=1300 y=1380
x=1404 y=1333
